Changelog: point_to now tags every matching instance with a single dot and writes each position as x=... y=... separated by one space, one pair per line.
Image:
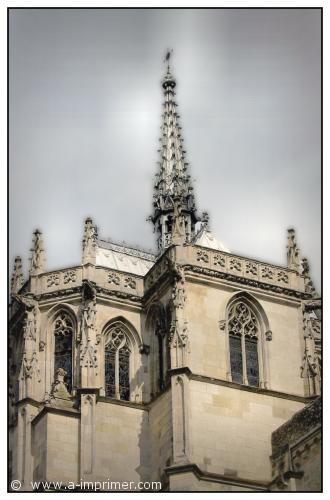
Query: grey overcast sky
x=85 y=112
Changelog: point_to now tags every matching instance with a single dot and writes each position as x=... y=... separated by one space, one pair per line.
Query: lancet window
x=117 y=365
x=63 y=333
x=244 y=335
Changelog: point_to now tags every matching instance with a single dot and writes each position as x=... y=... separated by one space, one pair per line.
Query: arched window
x=117 y=364
x=63 y=332
x=244 y=335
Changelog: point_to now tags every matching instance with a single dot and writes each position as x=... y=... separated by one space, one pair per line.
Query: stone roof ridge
x=122 y=247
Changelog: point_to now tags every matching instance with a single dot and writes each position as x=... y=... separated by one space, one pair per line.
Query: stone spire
x=38 y=254
x=17 y=279
x=174 y=215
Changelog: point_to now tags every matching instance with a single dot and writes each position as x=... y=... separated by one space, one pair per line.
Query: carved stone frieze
x=53 y=280
x=114 y=278
x=69 y=276
x=219 y=260
x=251 y=268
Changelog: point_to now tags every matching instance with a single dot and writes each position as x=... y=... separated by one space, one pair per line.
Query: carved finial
x=169 y=52
x=205 y=220
x=309 y=287
x=17 y=279
x=293 y=253
x=89 y=242
x=38 y=254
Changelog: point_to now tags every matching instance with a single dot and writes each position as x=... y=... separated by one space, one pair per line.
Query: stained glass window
x=110 y=378
x=252 y=366
x=243 y=330
x=117 y=365
x=63 y=331
x=236 y=359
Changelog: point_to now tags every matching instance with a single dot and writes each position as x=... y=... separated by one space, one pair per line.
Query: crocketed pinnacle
x=173 y=191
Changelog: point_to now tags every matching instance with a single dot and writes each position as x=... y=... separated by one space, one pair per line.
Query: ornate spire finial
x=89 y=242
x=38 y=254
x=173 y=183
x=309 y=287
x=293 y=252
x=169 y=52
x=17 y=279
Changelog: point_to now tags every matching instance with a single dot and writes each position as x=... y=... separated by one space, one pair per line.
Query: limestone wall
x=39 y=448
x=121 y=443
x=230 y=429
x=160 y=419
x=62 y=447
x=206 y=307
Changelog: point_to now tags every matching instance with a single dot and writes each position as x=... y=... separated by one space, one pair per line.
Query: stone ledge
x=216 y=478
x=240 y=387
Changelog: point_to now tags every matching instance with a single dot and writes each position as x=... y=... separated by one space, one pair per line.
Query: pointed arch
x=156 y=329
x=121 y=359
x=61 y=333
x=247 y=329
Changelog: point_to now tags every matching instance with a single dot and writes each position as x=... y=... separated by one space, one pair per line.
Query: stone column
x=87 y=435
x=180 y=408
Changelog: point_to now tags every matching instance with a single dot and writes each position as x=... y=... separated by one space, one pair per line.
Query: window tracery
x=244 y=330
x=63 y=333
x=117 y=365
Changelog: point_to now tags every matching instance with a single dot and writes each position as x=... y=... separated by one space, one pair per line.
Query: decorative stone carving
x=202 y=256
x=293 y=253
x=283 y=277
x=89 y=242
x=267 y=272
x=269 y=335
x=178 y=293
x=113 y=278
x=129 y=282
x=42 y=346
x=69 y=276
x=219 y=260
x=37 y=259
x=88 y=357
x=222 y=324
x=144 y=349
x=205 y=220
x=235 y=265
x=59 y=389
x=53 y=280
x=251 y=268
x=309 y=287
x=178 y=337
x=178 y=228
x=17 y=280
x=12 y=409
x=29 y=367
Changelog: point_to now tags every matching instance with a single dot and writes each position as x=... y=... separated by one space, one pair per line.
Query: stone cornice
x=241 y=280
x=240 y=387
x=216 y=478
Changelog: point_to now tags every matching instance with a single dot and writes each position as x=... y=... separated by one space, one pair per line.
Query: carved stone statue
x=17 y=279
x=293 y=253
x=59 y=389
x=89 y=241
x=178 y=230
x=37 y=258
x=178 y=293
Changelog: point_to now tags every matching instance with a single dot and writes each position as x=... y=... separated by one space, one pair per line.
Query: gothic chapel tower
x=191 y=366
